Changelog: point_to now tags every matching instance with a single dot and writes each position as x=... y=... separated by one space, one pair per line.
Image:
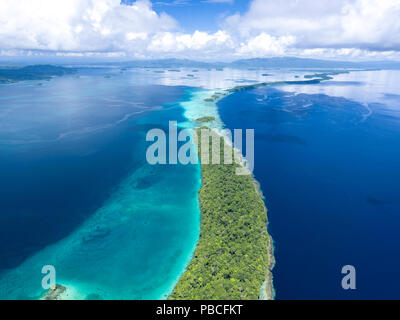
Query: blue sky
x=203 y=30
x=199 y=15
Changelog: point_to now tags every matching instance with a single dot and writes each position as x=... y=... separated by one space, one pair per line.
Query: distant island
x=256 y=63
x=36 y=72
x=310 y=79
x=46 y=72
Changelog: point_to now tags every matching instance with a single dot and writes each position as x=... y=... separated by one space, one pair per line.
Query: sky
x=209 y=30
x=201 y=15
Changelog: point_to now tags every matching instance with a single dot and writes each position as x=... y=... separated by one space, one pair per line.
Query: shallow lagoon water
x=77 y=192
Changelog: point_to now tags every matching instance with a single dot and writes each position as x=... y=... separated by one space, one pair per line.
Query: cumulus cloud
x=265 y=45
x=172 y=42
x=324 y=28
x=78 y=25
x=364 y=24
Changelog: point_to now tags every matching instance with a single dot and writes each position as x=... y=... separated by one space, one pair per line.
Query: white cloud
x=265 y=45
x=364 y=24
x=78 y=25
x=175 y=42
x=354 y=29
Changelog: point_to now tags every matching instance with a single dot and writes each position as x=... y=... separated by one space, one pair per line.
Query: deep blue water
x=329 y=169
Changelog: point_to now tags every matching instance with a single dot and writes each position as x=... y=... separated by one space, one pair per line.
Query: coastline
x=267 y=289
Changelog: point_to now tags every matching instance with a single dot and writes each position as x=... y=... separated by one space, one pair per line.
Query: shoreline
x=267 y=289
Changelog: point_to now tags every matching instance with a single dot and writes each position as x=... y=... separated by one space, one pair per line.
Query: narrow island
x=37 y=72
x=234 y=255
x=205 y=119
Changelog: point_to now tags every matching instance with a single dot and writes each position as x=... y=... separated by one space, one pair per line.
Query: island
x=55 y=293
x=37 y=72
x=215 y=97
x=205 y=119
x=311 y=79
x=234 y=255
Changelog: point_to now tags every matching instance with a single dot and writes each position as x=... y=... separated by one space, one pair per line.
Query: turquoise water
x=77 y=192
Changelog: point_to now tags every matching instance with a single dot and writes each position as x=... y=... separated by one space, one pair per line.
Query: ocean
x=327 y=158
x=78 y=194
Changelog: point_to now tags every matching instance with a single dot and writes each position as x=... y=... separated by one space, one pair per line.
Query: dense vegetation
x=231 y=260
x=205 y=119
x=38 y=72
